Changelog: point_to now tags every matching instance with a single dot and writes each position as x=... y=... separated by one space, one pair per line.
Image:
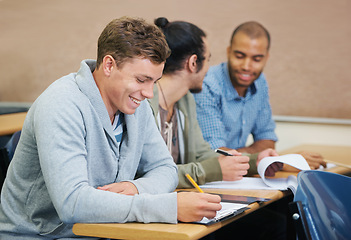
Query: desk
x=162 y=231
x=195 y=231
x=11 y=123
x=337 y=154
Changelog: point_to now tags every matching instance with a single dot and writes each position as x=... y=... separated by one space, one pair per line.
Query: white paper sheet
x=228 y=209
x=295 y=160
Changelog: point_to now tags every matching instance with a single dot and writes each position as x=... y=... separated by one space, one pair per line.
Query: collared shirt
x=225 y=118
x=118 y=127
x=172 y=140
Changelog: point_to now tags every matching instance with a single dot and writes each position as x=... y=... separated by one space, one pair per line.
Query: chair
x=322 y=206
x=6 y=155
x=12 y=144
x=4 y=163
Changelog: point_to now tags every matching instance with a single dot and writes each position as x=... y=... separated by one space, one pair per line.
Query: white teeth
x=136 y=101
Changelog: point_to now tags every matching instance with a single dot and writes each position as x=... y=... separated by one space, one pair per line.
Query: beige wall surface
x=40 y=41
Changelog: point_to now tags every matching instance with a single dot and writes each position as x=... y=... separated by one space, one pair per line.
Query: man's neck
x=171 y=89
x=99 y=79
x=241 y=90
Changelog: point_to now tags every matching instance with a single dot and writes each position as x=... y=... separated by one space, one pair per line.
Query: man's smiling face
x=131 y=83
x=246 y=60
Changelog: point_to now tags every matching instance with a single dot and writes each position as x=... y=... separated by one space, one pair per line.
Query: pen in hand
x=225 y=153
x=193 y=183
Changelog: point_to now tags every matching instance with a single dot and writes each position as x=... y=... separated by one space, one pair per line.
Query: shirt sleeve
x=158 y=174
x=205 y=171
x=264 y=128
x=209 y=112
x=63 y=160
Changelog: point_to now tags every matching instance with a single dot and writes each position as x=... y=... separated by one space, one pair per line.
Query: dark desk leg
x=282 y=206
x=272 y=221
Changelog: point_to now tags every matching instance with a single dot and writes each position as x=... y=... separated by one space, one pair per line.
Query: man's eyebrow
x=144 y=76
x=237 y=51
x=259 y=55
x=149 y=78
x=255 y=56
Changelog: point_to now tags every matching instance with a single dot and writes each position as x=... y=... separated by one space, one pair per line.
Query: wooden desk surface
x=11 y=123
x=162 y=231
x=336 y=154
x=195 y=231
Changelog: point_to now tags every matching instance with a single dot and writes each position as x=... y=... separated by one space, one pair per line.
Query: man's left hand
x=315 y=160
x=126 y=188
x=274 y=167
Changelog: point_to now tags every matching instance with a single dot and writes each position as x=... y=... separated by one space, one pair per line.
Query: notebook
x=263 y=182
x=228 y=210
x=232 y=205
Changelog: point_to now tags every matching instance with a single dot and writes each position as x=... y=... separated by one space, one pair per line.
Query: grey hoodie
x=67 y=149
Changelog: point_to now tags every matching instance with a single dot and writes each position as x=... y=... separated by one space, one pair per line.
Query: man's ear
x=192 y=65
x=108 y=63
x=229 y=49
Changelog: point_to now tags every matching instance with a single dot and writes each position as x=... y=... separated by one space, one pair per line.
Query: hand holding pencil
x=193 y=206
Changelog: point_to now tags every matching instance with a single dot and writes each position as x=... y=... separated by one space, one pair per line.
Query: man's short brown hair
x=125 y=38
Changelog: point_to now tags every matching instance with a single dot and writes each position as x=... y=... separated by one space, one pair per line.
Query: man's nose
x=246 y=64
x=148 y=90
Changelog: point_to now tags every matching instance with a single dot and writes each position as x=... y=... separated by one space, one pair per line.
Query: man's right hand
x=233 y=167
x=194 y=206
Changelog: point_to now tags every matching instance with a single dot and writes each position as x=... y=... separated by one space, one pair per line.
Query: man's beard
x=195 y=89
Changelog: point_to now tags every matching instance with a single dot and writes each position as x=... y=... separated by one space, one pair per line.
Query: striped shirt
x=117 y=125
x=225 y=118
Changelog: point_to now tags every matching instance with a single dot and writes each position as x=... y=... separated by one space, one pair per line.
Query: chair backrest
x=6 y=155
x=4 y=164
x=322 y=205
x=12 y=144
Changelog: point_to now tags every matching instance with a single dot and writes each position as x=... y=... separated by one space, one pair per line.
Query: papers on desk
x=295 y=160
x=232 y=205
x=228 y=210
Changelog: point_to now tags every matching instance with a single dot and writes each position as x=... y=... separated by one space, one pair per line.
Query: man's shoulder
x=187 y=101
x=262 y=79
x=217 y=71
x=216 y=77
x=61 y=89
x=261 y=83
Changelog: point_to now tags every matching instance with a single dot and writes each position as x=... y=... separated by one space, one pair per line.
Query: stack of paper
x=295 y=160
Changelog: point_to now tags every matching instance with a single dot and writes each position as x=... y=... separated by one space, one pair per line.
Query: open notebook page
x=294 y=160
x=228 y=210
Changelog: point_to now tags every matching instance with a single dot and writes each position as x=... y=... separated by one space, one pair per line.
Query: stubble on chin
x=195 y=90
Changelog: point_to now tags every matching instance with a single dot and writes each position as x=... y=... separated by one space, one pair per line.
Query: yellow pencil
x=193 y=183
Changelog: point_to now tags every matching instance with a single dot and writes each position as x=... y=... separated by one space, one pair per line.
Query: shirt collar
x=87 y=85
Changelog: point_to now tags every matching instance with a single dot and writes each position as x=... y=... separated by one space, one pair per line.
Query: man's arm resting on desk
x=314 y=160
x=204 y=171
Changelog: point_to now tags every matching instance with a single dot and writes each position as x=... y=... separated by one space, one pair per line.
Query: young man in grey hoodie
x=90 y=150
